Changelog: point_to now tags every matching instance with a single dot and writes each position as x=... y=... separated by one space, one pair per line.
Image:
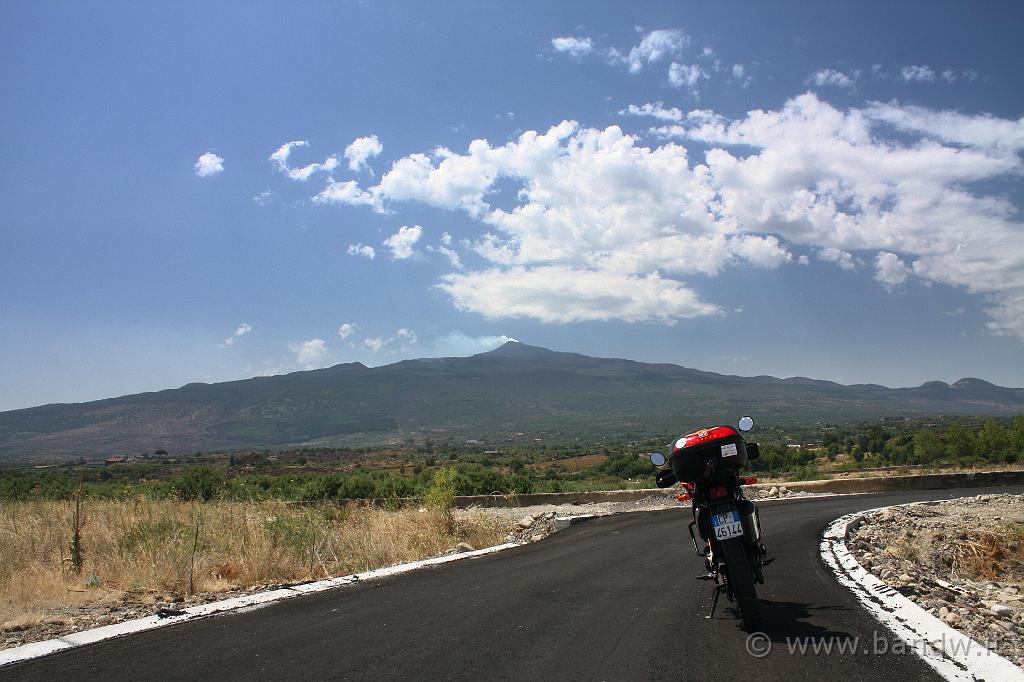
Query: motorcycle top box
x=701 y=453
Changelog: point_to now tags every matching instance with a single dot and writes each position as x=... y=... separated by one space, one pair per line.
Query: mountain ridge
x=513 y=389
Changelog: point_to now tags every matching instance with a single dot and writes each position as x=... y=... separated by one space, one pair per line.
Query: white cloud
x=361 y=249
x=448 y=253
x=832 y=78
x=347 y=192
x=574 y=47
x=402 y=242
x=843 y=259
x=263 y=198
x=406 y=339
x=281 y=155
x=740 y=75
x=310 y=354
x=209 y=164
x=346 y=330
x=890 y=270
x=688 y=76
x=599 y=214
x=242 y=330
x=374 y=343
x=656 y=110
x=654 y=47
x=803 y=260
x=459 y=344
x=361 y=149
x=559 y=294
x=918 y=74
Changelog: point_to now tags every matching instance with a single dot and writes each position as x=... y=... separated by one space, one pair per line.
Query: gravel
x=916 y=550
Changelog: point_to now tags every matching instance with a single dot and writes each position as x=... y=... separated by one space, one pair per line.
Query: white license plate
x=727 y=525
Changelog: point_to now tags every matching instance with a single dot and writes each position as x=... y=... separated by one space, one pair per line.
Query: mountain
x=514 y=389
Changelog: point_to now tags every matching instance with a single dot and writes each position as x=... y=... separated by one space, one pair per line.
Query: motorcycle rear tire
x=741 y=582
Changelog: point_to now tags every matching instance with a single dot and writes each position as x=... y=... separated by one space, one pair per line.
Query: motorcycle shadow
x=784 y=621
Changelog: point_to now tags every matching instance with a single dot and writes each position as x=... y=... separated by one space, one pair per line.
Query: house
x=116 y=459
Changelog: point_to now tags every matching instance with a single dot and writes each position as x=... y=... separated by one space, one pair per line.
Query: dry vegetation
x=150 y=551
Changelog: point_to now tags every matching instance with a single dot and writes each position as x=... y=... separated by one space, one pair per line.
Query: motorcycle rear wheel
x=741 y=582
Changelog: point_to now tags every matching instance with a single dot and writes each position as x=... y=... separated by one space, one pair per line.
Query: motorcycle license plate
x=726 y=525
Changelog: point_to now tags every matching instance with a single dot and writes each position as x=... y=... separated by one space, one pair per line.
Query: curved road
x=611 y=599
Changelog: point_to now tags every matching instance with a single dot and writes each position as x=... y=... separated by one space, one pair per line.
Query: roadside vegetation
x=61 y=554
x=402 y=472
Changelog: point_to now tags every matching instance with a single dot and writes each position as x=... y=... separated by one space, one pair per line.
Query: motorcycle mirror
x=657 y=459
x=745 y=423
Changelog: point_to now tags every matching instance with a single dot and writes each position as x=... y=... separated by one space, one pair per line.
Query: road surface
x=614 y=598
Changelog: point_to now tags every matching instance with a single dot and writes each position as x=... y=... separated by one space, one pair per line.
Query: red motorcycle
x=708 y=462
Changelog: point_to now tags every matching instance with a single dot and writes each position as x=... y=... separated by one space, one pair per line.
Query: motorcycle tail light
x=719 y=491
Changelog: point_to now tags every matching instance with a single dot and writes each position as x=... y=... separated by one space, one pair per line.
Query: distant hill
x=514 y=389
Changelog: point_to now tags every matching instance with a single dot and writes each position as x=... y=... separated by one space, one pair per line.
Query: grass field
x=161 y=550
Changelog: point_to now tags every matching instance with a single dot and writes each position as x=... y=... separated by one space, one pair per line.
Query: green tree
x=927 y=446
x=199 y=483
x=993 y=440
x=1017 y=435
x=960 y=442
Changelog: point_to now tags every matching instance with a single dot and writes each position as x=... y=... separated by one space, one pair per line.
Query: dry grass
x=146 y=547
x=991 y=555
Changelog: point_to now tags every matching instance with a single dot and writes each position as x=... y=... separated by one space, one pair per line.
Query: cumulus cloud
x=374 y=343
x=607 y=228
x=918 y=74
x=402 y=242
x=361 y=149
x=361 y=249
x=890 y=270
x=310 y=354
x=559 y=294
x=346 y=330
x=741 y=76
x=843 y=259
x=209 y=164
x=686 y=76
x=653 y=47
x=302 y=173
x=572 y=46
x=445 y=250
x=832 y=78
x=654 y=110
x=241 y=331
x=406 y=339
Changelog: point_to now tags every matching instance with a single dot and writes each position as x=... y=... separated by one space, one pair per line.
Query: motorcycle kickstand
x=719 y=589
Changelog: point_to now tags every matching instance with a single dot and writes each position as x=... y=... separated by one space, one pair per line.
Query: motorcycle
x=708 y=463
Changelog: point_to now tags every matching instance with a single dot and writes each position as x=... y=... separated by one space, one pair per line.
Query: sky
x=214 y=191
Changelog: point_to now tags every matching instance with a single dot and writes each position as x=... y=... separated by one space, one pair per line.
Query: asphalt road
x=610 y=599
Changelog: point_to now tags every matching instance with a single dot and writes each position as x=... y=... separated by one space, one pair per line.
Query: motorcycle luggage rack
x=693 y=537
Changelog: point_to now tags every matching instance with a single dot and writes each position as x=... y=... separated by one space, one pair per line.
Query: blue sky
x=753 y=188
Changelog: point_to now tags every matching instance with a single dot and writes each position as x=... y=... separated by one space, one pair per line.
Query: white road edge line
x=245 y=602
x=75 y=639
x=954 y=655
x=32 y=650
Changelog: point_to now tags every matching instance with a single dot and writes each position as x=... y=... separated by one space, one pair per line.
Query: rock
x=526 y=522
x=783 y=490
x=535 y=538
x=464 y=547
x=1001 y=610
x=944 y=612
x=773 y=492
x=905 y=577
x=952 y=618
